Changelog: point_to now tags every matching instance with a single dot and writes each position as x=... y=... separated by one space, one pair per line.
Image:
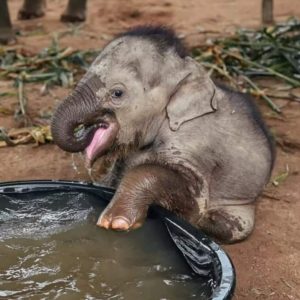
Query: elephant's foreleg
x=75 y=11
x=229 y=224
x=6 y=32
x=145 y=185
x=32 y=9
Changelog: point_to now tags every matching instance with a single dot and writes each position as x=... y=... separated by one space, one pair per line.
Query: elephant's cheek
x=102 y=140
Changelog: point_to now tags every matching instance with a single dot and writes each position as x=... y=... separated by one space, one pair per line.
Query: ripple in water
x=50 y=248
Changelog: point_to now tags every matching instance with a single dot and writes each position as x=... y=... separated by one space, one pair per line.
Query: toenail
x=120 y=223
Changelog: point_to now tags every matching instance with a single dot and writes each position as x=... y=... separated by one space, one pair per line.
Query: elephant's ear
x=193 y=95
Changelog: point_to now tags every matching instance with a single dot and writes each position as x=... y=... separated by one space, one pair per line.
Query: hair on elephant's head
x=139 y=80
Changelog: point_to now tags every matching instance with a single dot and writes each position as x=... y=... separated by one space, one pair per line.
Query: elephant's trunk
x=72 y=124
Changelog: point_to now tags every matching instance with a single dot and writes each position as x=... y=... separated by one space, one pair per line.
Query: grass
x=51 y=66
x=272 y=52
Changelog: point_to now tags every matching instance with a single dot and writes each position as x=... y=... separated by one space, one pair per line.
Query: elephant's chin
x=103 y=139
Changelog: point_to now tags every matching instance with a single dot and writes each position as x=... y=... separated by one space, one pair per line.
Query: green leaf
x=281 y=177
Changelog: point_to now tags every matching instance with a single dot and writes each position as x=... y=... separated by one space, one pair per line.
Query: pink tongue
x=96 y=144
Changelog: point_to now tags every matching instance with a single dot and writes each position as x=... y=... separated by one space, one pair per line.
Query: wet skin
x=145 y=185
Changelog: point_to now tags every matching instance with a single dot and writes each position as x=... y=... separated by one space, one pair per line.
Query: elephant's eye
x=117 y=93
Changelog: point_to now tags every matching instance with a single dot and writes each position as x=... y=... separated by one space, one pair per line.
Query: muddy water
x=50 y=248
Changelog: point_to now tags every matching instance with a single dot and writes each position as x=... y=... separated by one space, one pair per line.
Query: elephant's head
x=138 y=81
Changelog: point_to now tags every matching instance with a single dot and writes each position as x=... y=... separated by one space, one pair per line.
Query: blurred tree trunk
x=267 y=11
x=6 y=32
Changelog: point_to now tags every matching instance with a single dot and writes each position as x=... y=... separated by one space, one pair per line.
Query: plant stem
x=265 y=97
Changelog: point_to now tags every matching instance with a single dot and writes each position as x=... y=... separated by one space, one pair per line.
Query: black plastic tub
x=204 y=257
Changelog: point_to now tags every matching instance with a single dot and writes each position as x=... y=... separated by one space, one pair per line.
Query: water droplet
x=74 y=166
x=91 y=174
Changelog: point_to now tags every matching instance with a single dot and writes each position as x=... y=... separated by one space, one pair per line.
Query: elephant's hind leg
x=229 y=224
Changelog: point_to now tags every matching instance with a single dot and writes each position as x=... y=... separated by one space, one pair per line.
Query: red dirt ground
x=268 y=263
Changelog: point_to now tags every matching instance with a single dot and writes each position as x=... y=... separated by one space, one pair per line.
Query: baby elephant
x=173 y=137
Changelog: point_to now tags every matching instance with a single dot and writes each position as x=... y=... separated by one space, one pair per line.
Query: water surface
x=50 y=248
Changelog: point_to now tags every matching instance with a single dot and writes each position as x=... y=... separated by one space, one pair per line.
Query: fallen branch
x=27 y=135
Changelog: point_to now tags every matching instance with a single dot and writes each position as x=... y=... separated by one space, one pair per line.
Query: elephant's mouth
x=103 y=138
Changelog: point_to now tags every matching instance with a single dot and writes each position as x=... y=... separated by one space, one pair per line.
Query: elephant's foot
x=75 y=11
x=32 y=9
x=7 y=36
x=119 y=215
x=28 y=15
x=73 y=17
x=229 y=224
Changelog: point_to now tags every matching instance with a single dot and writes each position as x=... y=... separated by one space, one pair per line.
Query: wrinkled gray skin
x=31 y=9
x=178 y=140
